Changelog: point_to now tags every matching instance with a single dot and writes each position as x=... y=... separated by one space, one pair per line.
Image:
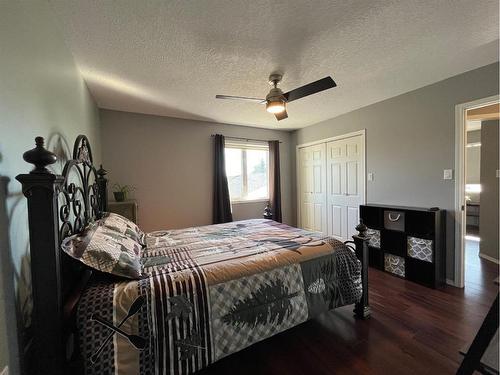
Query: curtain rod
x=245 y=139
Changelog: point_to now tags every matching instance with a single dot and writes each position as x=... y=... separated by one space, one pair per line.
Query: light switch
x=370 y=176
x=498 y=173
x=448 y=174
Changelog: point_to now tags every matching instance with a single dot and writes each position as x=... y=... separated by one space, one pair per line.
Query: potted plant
x=120 y=191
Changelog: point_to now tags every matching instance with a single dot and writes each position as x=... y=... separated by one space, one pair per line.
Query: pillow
x=105 y=250
x=124 y=226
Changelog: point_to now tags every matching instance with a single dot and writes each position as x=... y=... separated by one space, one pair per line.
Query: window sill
x=262 y=200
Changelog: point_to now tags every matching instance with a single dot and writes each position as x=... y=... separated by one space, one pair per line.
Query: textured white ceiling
x=172 y=57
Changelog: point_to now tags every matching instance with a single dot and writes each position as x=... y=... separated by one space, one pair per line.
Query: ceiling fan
x=276 y=100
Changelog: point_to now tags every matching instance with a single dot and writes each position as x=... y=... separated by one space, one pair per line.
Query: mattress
x=210 y=291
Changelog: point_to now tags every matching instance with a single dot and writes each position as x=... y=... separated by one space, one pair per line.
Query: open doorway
x=478 y=192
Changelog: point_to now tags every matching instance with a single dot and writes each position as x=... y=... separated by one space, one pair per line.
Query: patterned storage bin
x=374 y=240
x=420 y=248
x=394 y=264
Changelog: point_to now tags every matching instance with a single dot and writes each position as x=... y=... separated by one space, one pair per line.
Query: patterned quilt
x=211 y=291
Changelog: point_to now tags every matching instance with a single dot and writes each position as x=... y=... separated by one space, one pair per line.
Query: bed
x=203 y=293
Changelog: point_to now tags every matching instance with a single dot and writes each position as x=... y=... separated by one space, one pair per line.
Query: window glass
x=257 y=174
x=234 y=172
x=473 y=188
x=247 y=171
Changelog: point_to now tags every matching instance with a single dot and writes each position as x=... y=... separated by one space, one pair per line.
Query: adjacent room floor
x=476 y=268
x=413 y=330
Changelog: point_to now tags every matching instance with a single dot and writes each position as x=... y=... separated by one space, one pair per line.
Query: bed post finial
x=102 y=183
x=268 y=213
x=361 y=228
x=40 y=157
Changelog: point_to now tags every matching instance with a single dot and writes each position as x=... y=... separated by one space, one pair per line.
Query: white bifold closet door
x=312 y=187
x=345 y=189
x=331 y=186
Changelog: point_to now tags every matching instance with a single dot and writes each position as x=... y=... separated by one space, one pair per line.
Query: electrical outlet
x=5 y=371
x=370 y=176
x=448 y=174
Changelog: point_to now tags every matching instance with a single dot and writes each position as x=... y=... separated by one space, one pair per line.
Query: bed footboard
x=360 y=241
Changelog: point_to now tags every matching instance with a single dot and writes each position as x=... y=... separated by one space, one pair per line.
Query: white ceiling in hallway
x=172 y=57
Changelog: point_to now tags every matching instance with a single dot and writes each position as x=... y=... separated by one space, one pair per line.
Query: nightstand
x=127 y=209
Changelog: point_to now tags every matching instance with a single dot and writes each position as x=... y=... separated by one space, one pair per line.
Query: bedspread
x=211 y=291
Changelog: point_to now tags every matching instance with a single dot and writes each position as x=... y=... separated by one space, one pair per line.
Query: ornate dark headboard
x=58 y=206
x=81 y=201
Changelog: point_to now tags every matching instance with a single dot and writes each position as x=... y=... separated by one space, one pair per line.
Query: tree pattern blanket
x=210 y=291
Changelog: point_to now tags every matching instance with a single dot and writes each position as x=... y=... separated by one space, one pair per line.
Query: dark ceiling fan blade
x=230 y=97
x=281 y=115
x=309 y=89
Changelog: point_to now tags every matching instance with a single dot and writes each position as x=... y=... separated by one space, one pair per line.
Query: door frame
x=361 y=132
x=460 y=168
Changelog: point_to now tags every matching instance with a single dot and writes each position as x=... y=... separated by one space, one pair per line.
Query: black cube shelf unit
x=408 y=242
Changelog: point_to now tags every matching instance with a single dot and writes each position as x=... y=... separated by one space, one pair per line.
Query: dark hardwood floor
x=413 y=330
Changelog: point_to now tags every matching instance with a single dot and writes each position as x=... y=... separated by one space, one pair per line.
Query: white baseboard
x=5 y=371
x=491 y=259
x=450 y=282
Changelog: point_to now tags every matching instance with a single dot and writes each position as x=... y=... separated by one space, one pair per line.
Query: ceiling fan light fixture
x=276 y=100
x=275 y=106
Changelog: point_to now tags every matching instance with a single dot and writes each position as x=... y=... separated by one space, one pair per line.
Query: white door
x=345 y=185
x=312 y=187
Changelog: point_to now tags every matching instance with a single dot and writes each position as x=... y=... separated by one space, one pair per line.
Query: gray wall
x=41 y=93
x=409 y=141
x=473 y=155
x=488 y=219
x=170 y=163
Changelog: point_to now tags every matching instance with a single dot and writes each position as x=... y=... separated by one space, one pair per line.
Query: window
x=247 y=169
x=473 y=188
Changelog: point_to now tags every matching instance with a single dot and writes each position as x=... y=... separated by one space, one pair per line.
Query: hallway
x=479 y=272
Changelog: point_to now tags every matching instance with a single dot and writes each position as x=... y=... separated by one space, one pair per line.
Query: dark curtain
x=221 y=201
x=274 y=180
